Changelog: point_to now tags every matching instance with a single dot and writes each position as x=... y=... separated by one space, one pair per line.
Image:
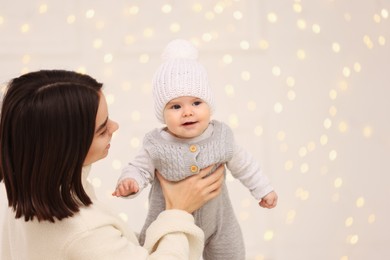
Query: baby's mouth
x=189 y=123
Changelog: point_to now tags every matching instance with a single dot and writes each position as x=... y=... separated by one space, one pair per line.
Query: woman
x=54 y=125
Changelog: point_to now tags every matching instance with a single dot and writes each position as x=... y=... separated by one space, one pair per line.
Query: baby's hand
x=269 y=201
x=126 y=187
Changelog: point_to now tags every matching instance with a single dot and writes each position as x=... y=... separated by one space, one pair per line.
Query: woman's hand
x=192 y=193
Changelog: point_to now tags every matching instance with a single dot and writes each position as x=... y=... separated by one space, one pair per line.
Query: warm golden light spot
x=290 y=81
x=278 y=108
x=302 y=152
x=244 y=215
x=349 y=222
x=116 y=164
x=251 y=105
x=25 y=28
x=108 y=58
x=135 y=116
x=268 y=235
x=281 y=135
x=71 y=19
x=133 y=10
x=97 y=43
x=272 y=17
x=26 y=59
x=353 y=239
x=297 y=7
x=323 y=139
x=336 y=47
x=135 y=142
x=90 y=13
x=237 y=15
x=233 y=121
x=207 y=37
x=327 y=123
x=344 y=258
x=148 y=32
x=333 y=111
x=209 y=16
x=338 y=182
x=371 y=218
x=343 y=85
x=263 y=44
x=367 y=131
x=343 y=127
x=246 y=75
x=276 y=71
x=100 y=25
x=332 y=155
x=381 y=40
x=311 y=146
x=360 y=202
x=290 y=216
x=302 y=194
x=357 y=67
x=129 y=39
x=82 y=70
x=174 y=27
x=385 y=13
x=377 y=18
x=304 y=168
x=43 y=8
x=1 y=20
x=244 y=45
x=219 y=8
x=258 y=130
x=347 y=17
x=229 y=90
x=167 y=8
x=227 y=59
x=301 y=24
x=316 y=28
x=260 y=257
x=333 y=94
x=301 y=54
x=368 y=42
x=144 y=58
x=288 y=165
x=346 y=72
x=197 y=7
x=291 y=95
x=126 y=86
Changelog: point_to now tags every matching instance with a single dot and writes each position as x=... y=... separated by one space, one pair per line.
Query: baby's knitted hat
x=180 y=75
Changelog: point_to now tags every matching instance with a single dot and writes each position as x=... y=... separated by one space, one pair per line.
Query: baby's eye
x=197 y=103
x=175 y=106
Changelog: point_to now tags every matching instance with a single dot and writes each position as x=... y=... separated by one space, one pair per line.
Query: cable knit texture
x=179 y=75
x=174 y=161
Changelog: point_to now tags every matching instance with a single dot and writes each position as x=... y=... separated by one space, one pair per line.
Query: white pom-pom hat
x=180 y=75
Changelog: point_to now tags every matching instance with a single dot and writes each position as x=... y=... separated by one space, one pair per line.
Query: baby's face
x=187 y=117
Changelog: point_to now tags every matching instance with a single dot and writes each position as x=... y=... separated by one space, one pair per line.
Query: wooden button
x=193 y=148
x=194 y=168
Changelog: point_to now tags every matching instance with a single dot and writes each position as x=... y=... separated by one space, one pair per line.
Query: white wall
x=304 y=85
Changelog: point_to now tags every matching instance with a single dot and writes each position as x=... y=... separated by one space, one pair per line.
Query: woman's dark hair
x=46 y=129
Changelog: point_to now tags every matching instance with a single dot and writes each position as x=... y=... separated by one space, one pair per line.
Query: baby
x=189 y=142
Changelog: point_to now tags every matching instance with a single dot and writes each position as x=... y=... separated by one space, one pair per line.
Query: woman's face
x=105 y=127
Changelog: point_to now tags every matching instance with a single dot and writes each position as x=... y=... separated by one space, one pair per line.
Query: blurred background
x=303 y=84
